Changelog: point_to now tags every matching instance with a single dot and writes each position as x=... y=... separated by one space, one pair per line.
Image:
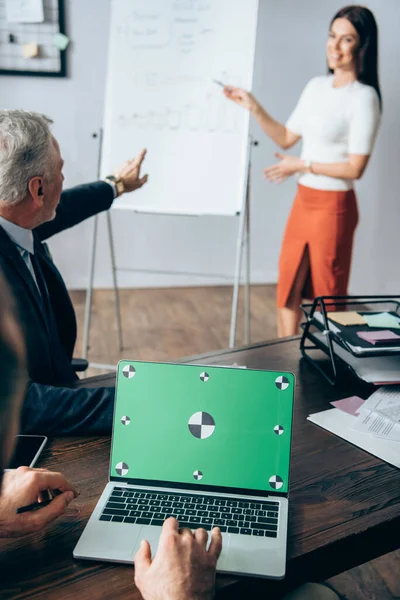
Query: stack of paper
x=373 y=424
x=341 y=424
x=375 y=338
x=379 y=370
x=380 y=414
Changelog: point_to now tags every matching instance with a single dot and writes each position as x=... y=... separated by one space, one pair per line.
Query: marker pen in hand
x=37 y=505
x=219 y=83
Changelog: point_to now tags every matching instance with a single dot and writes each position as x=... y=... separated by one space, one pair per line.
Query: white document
x=24 y=11
x=386 y=397
x=375 y=424
x=341 y=424
x=380 y=414
x=392 y=412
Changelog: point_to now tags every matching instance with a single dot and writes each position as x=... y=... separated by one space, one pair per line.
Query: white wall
x=290 y=50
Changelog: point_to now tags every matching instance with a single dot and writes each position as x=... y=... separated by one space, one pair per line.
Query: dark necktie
x=61 y=362
x=41 y=283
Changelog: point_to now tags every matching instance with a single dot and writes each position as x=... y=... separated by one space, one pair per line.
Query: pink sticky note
x=349 y=405
x=378 y=336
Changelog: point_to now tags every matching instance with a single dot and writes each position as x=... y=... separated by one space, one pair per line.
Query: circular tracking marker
x=276 y=482
x=201 y=425
x=278 y=429
x=282 y=382
x=129 y=371
x=122 y=468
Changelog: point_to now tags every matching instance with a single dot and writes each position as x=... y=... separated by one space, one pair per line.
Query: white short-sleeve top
x=333 y=123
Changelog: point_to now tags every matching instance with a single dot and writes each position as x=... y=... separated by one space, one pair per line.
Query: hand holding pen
x=23 y=489
x=239 y=96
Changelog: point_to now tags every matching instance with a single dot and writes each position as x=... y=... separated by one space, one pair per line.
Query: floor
x=164 y=324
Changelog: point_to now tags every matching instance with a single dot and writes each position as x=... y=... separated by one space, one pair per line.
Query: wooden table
x=344 y=503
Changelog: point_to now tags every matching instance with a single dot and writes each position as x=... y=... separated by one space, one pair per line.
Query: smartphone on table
x=27 y=450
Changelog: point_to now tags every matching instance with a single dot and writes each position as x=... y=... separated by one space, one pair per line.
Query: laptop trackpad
x=225 y=549
x=236 y=557
x=152 y=535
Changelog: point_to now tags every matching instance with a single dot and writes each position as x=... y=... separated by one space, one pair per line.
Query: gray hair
x=26 y=151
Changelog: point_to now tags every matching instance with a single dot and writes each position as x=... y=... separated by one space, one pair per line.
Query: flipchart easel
x=243 y=244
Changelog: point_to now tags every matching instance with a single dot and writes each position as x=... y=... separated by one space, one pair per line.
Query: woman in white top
x=337 y=118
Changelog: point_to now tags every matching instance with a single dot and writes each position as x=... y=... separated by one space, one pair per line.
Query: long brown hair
x=366 y=57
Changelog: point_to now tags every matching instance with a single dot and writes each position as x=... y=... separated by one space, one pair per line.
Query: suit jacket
x=50 y=406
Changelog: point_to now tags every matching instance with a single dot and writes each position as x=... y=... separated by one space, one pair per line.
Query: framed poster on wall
x=32 y=38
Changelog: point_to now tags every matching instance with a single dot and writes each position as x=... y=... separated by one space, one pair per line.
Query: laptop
x=208 y=445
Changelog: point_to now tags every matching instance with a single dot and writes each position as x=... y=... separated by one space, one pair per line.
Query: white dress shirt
x=23 y=239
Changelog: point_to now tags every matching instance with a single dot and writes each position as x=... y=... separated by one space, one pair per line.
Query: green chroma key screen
x=202 y=425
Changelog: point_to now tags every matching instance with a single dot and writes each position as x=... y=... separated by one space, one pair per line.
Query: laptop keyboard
x=258 y=518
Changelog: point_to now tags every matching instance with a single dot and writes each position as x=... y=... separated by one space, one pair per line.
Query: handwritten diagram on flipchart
x=163 y=57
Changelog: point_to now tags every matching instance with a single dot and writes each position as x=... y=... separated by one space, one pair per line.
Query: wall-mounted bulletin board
x=32 y=38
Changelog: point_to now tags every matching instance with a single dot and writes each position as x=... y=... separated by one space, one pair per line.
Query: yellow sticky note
x=347 y=318
x=30 y=50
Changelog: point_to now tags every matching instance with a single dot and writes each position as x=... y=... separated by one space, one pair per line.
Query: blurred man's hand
x=25 y=486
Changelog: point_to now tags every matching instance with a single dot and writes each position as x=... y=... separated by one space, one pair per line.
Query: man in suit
x=184 y=565
x=32 y=209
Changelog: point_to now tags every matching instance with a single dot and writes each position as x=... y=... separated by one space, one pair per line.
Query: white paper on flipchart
x=24 y=11
x=380 y=414
x=341 y=424
x=169 y=52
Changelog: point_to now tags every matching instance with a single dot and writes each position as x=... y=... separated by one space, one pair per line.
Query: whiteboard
x=163 y=56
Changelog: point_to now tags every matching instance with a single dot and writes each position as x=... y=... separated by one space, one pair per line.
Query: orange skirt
x=325 y=222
